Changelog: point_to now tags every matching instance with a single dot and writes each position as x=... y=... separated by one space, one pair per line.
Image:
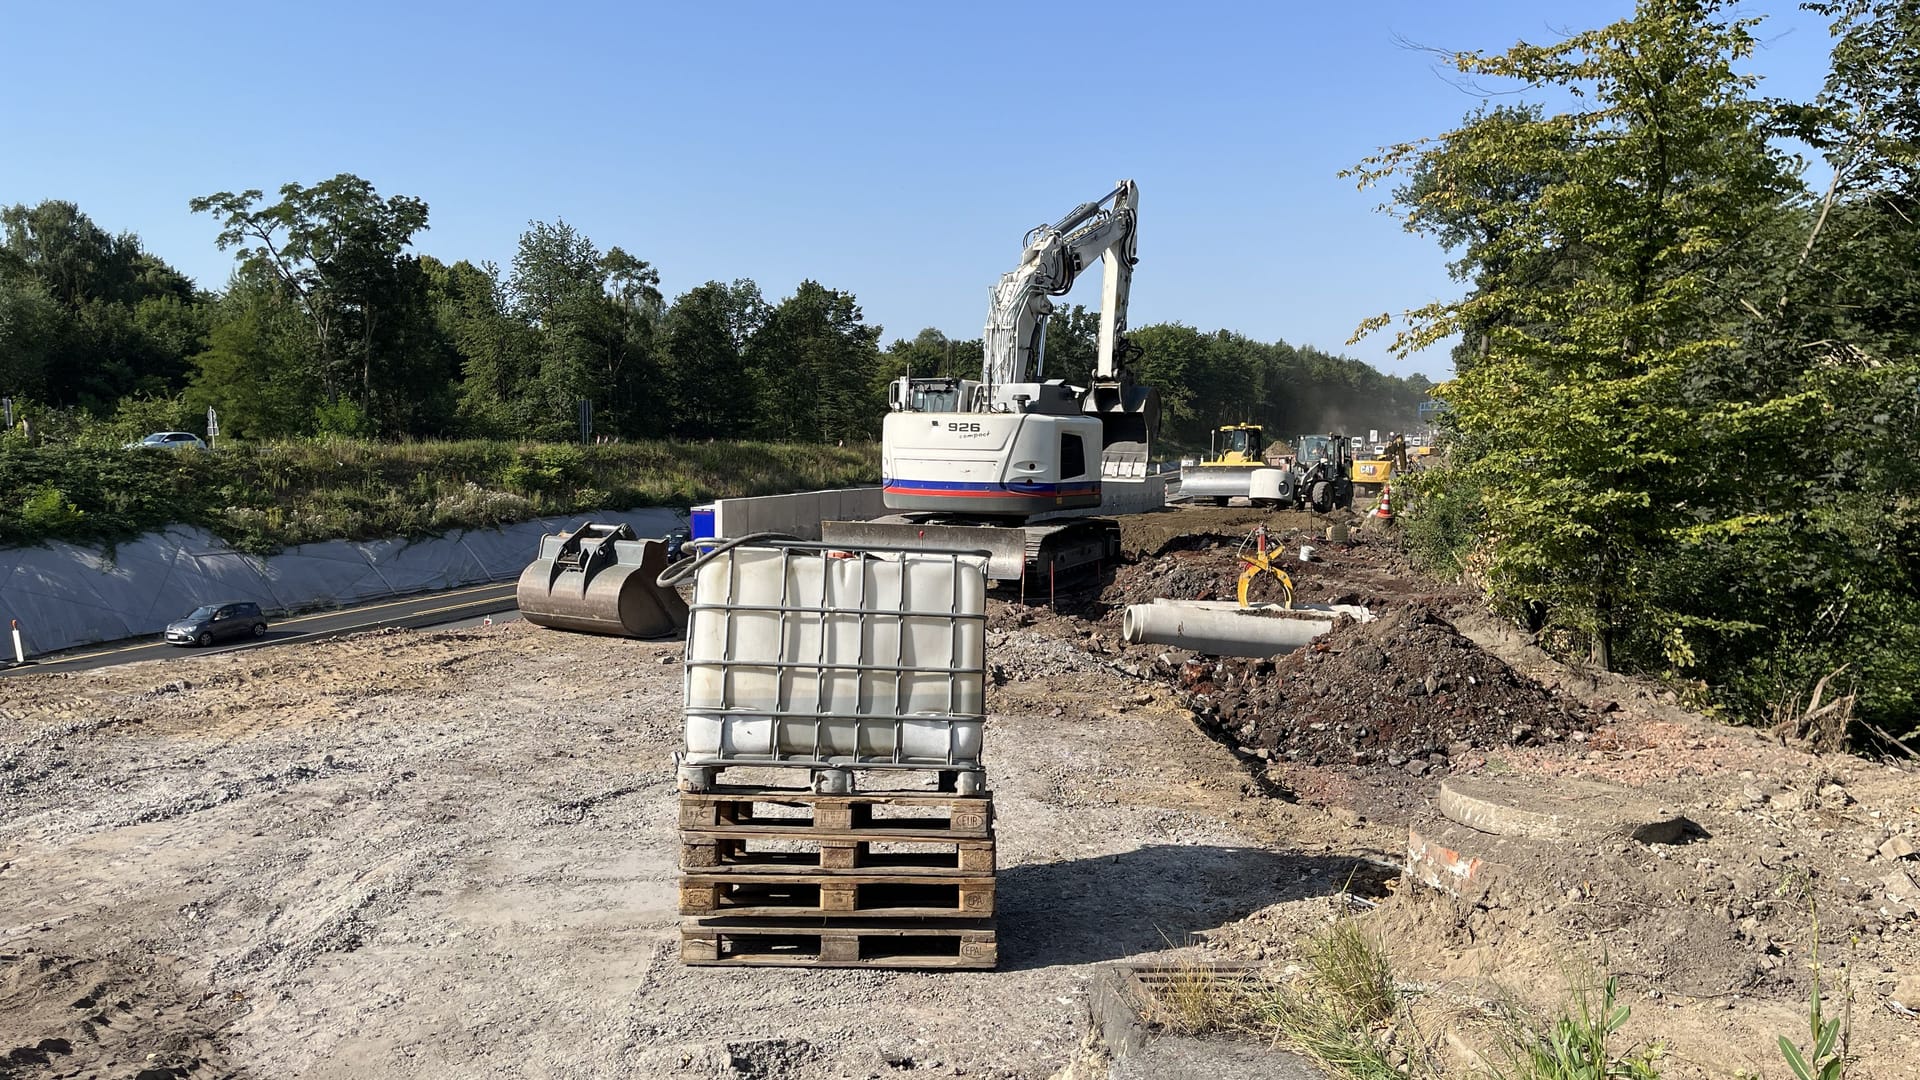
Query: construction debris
x=1405 y=690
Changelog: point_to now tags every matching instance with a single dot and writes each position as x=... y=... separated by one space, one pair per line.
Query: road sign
x=6 y=407
x=213 y=422
x=586 y=420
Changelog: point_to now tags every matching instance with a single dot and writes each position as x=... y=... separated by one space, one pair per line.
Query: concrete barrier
x=798 y=514
x=1142 y=495
x=64 y=595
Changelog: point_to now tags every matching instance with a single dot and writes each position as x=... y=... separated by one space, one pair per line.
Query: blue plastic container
x=702 y=527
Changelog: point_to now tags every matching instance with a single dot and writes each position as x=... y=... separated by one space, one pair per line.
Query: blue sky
x=897 y=151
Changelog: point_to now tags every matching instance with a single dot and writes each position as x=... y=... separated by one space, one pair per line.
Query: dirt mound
x=1404 y=690
x=1147 y=535
x=1207 y=571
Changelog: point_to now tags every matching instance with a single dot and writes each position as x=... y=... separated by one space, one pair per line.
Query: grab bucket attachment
x=603 y=580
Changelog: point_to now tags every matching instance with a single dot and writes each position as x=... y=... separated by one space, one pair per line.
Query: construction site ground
x=453 y=853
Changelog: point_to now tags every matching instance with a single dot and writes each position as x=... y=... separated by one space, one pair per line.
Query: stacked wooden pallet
x=885 y=879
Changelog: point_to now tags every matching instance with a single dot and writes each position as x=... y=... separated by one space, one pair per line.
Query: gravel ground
x=432 y=854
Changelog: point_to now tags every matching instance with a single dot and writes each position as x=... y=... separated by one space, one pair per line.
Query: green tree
x=594 y=316
x=812 y=364
x=1836 y=578
x=702 y=347
x=1073 y=345
x=1586 y=417
x=339 y=251
x=31 y=326
x=122 y=321
x=258 y=368
x=497 y=366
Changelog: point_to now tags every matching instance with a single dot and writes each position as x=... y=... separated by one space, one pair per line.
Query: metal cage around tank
x=813 y=655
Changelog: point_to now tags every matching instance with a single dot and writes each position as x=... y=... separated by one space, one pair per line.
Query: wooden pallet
x=952 y=944
x=779 y=896
x=875 y=812
x=784 y=877
x=724 y=850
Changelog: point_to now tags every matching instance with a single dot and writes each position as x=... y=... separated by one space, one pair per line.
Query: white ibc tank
x=808 y=659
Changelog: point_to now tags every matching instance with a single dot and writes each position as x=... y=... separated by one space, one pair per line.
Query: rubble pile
x=1405 y=690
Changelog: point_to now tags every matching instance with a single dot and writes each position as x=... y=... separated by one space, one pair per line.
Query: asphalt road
x=457 y=607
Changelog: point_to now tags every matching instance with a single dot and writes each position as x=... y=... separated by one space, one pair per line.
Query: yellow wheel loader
x=1238 y=452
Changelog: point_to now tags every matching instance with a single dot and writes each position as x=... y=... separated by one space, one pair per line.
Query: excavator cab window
x=936 y=398
x=1073 y=457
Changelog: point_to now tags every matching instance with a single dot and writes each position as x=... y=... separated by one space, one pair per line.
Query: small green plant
x=1343 y=1011
x=1576 y=1044
x=1349 y=966
x=342 y=417
x=1827 y=1061
x=1828 y=1057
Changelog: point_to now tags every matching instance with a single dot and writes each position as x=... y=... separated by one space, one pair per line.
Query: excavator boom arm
x=1052 y=260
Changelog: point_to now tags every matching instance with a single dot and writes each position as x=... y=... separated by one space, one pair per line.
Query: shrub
x=342 y=417
x=262 y=496
x=49 y=510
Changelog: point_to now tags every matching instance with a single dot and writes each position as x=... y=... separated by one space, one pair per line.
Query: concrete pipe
x=1272 y=486
x=1221 y=633
x=1356 y=612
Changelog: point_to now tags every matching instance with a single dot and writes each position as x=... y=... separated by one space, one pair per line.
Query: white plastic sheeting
x=65 y=595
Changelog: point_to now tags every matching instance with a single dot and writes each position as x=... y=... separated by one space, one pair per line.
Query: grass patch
x=1194 y=999
x=1343 y=1010
x=261 y=497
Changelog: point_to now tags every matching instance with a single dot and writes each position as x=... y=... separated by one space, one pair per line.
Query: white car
x=168 y=440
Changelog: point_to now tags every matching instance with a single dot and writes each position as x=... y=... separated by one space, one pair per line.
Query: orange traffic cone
x=1384 y=511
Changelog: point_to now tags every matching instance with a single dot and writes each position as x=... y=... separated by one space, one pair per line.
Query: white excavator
x=1012 y=463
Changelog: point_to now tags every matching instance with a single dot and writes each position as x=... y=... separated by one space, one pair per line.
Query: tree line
x=1688 y=383
x=332 y=323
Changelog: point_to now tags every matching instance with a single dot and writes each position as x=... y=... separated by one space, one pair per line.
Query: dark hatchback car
x=218 y=622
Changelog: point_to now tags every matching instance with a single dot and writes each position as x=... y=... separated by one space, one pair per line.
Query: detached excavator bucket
x=603 y=580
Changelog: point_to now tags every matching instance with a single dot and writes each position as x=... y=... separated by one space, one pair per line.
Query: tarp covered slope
x=64 y=595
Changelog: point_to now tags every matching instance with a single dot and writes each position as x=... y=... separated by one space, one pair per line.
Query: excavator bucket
x=1128 y=413
x=604 y=580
